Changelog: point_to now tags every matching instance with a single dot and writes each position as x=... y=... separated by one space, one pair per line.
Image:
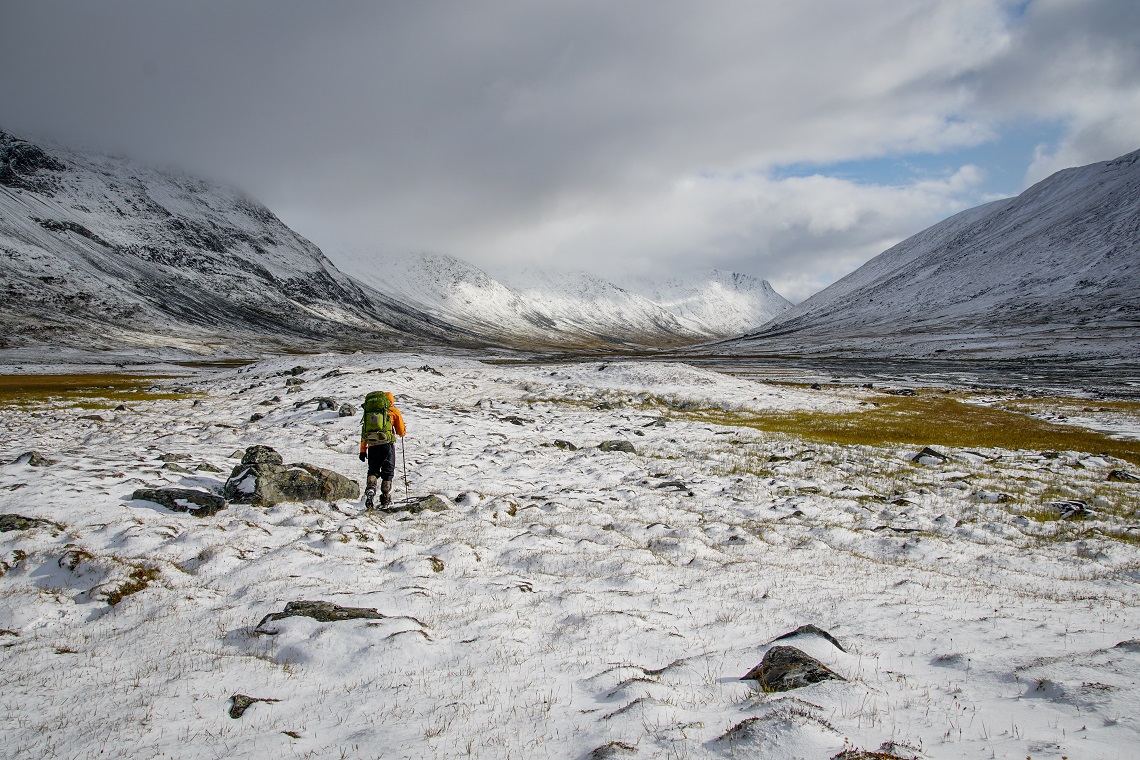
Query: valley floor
x=571 y=602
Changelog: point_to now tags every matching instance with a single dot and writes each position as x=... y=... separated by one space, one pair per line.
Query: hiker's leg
x=387 y=472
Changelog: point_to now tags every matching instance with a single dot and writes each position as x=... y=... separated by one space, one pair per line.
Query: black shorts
x=382 y=460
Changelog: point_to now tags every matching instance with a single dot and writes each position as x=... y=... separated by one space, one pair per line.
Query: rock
x=786 y=668
x=1071 y=509
x=990 y=497
x=238 y=454
x=811 y=630
x=33 y=459
x=260 y=455
x=207 y=467
x=565 y=445
x=617 y=446
x=816 y=387
x=323 y=612
x=175 y=458
x=197 y=503
x=515 y=420
x=613 y=749
x=172 y=467
x=417 y=504
x=256 y=416
x=929 y=456
x=431 y=370
x=656 y=423
x=325 y=403
x=262 y=479
x=1121 y=476
x=1131 y=645
x=901 y=392
x=11 y=522
x=297 y=370
x=240 y=703
x=346 y=410
x=293 y=381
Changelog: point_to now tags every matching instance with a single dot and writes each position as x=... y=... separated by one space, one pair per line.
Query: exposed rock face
x=197 y=503
x=262 y=479
x=787 y=668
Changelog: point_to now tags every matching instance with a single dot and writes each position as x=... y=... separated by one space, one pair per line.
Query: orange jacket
x=397 y=422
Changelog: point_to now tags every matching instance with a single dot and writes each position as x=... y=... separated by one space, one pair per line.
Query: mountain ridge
x=1050 y=273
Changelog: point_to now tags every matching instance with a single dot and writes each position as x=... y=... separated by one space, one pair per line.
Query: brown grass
x=928 y=421
x=23 y=390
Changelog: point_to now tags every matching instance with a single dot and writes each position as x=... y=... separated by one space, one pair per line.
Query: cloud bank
x=615 y=137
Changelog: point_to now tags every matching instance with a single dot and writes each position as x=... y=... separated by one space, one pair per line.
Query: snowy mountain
x=725 y=303
x=1051 y=273
x=571 y=309
x=99 y=252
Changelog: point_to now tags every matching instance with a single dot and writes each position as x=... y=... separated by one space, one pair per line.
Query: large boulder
x=262 y=479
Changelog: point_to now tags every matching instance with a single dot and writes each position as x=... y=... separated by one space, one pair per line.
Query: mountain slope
x=1052 y=272
x=99 y=252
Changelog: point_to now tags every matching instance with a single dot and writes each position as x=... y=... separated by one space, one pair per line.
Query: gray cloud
x=617 y=136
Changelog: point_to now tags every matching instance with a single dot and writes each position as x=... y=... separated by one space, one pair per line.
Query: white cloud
x=613 y=134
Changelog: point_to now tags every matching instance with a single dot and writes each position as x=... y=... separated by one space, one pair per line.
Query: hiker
x=382 y=423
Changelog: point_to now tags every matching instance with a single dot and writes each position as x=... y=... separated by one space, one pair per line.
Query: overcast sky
x=787 y=139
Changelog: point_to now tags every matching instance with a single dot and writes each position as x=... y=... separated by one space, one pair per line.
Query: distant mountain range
x=101 y=253
x=572 y=309
x=1053 y=273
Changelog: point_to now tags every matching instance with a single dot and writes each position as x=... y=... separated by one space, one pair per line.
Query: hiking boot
x=385 y=493
x=368 y=496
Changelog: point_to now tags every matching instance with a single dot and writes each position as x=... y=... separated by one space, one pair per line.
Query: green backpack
x=377 y=424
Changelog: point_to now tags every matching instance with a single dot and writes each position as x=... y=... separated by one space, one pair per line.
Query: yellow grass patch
x=85 y=390
x=934 y=420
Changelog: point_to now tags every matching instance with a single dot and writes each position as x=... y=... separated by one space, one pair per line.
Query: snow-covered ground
x=570 y=603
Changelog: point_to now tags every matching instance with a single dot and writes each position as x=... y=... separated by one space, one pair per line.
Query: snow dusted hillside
x=568 y=309
x=99 y=252
x=1051 y=273
x=568 y=602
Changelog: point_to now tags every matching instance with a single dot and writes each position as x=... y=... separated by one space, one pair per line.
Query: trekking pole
x=404 y=459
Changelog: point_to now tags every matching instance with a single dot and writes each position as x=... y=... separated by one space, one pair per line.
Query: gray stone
x=929 y=456
x=565 y=445
x=417 y=504
x=173 y=467
x=323 y=612
x=811 y=630
x=207 y=467
x=1123 y=476
x=613 y=749
x=292 y=381
x=262 y=479
x=256 y=416
x=261 y=455
x=241 y=703
x=1071 y=509
x=786 y=668
x=175 y=457
x=10 y=522
x=325 y=403
x=197 y=503
x=346 y=410
x=33 y=459
x=617 y=446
